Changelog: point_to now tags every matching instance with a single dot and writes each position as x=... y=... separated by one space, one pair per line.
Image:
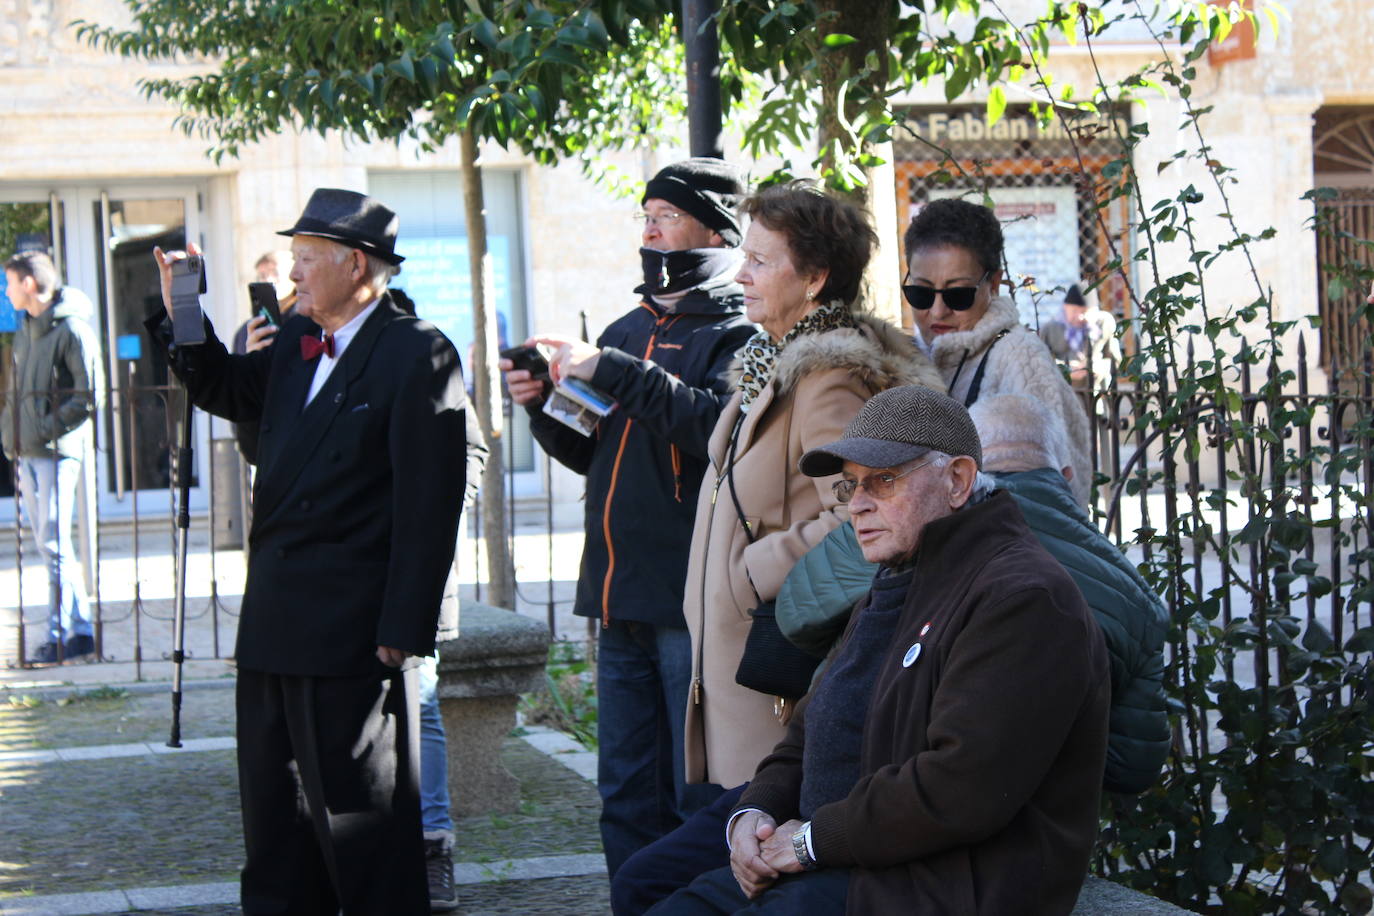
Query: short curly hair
x=958 y=223
x=823 y=232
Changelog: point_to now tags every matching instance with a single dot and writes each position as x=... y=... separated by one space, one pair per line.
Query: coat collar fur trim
x=948 y=349
x=882 y=355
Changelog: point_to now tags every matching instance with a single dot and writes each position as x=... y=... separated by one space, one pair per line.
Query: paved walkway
x=101 y=817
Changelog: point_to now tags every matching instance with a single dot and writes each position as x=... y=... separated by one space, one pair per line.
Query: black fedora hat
x=354 y=219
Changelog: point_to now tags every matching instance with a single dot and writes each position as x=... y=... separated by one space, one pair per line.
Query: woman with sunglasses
x=803 y=376
x=974 y=336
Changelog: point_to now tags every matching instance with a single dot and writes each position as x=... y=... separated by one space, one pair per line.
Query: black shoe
x=79 y=645
x=443 y=897
x=46 y=654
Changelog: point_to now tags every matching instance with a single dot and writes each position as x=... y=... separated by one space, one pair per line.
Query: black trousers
x=329 y=786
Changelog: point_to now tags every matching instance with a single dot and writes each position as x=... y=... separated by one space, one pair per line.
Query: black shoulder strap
x=730 y=478
x=977 y=385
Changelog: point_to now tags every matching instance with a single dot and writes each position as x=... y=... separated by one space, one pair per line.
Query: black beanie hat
x=1074 y=296
x=708 y=189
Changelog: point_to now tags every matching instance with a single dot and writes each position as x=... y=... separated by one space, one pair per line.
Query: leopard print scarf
x=760 y=353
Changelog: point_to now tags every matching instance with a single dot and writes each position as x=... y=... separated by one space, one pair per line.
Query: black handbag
x=771 y=664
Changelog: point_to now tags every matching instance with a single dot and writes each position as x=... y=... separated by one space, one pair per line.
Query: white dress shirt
x=341 y=340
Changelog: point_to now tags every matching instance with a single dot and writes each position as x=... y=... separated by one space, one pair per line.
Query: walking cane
x=183 y=483
x=188 y=283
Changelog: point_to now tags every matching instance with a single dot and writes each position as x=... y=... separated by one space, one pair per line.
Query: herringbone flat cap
x=897 y=426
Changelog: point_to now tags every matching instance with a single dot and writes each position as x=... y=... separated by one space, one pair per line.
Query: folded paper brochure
x=578 y=405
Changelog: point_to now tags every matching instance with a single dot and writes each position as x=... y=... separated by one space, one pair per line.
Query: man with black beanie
x=666 y=363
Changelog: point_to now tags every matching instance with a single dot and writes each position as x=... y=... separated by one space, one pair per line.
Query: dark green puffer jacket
x=826 y=584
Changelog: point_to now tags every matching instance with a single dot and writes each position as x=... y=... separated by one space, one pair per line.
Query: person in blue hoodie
x=46 y=430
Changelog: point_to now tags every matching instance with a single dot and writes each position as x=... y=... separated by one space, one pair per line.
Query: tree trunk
x=487 y=383
x=870 y=23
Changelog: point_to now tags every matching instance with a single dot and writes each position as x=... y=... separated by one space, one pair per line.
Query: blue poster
x=435 y=275
x=9 y=318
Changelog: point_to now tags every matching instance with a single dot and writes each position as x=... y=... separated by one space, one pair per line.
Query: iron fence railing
x=1147 y=482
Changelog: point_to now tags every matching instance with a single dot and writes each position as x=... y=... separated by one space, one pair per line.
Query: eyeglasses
x=957 y=298
x=666 y=218
x=879 y=486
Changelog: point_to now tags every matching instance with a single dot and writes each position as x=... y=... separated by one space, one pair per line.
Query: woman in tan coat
x=803 y=377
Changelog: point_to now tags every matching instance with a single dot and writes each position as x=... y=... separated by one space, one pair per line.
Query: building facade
x=97 y=173
x=1288 y=113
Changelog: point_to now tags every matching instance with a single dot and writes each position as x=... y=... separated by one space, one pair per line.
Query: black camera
x=530 y=359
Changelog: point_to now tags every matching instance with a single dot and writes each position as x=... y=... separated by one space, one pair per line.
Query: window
x=433 y=240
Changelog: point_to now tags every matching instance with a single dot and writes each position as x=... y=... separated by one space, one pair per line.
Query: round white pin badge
x=911 y=655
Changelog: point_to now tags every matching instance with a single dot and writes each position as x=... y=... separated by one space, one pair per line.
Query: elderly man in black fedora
x=356 y=503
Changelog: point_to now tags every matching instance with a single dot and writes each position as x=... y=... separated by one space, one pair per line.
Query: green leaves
x=485 y=31
x=997 y=104
x=504 y=67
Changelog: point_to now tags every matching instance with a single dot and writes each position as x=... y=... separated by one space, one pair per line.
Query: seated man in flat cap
x=356 y=503
x=950 y=757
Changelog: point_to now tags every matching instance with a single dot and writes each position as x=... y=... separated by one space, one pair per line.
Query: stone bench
x=497 y=656
x=500 y=655
x=1103 y=898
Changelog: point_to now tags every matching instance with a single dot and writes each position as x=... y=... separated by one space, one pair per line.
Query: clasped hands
x=761 y=851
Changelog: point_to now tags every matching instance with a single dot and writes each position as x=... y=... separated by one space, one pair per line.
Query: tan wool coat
x=818 y=386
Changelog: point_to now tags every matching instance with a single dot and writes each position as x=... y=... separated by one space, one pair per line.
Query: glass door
x=101 y=239
x=143 y=407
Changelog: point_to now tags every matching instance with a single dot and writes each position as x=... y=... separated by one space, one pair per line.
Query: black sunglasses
x=957 y=298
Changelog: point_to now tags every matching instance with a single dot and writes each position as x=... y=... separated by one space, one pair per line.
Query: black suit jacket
x=357 y=497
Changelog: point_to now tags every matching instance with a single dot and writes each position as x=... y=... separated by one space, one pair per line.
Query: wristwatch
x=801 y=846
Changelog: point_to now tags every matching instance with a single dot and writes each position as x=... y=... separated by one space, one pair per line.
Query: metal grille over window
x=1343 y=160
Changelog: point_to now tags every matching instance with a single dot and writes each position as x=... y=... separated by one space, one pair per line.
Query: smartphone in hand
x=529 y=359
x=264 y=298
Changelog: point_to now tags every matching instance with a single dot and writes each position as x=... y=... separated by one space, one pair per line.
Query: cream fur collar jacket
x=1019 y=363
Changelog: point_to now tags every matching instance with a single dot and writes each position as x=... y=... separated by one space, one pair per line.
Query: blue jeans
x=434 y=813
x=643 y=673
x=815 y=893
x=48 y=487
x=665 y=867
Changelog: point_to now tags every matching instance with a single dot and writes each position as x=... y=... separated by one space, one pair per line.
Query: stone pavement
x=101 y=817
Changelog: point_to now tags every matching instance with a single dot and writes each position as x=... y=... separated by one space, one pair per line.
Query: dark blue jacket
x=669 y=374
x=824 y=586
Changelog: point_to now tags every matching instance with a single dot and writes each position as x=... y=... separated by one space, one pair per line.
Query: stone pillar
x=497 y=656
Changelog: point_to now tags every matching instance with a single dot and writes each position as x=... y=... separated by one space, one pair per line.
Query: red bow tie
x=312 y=347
